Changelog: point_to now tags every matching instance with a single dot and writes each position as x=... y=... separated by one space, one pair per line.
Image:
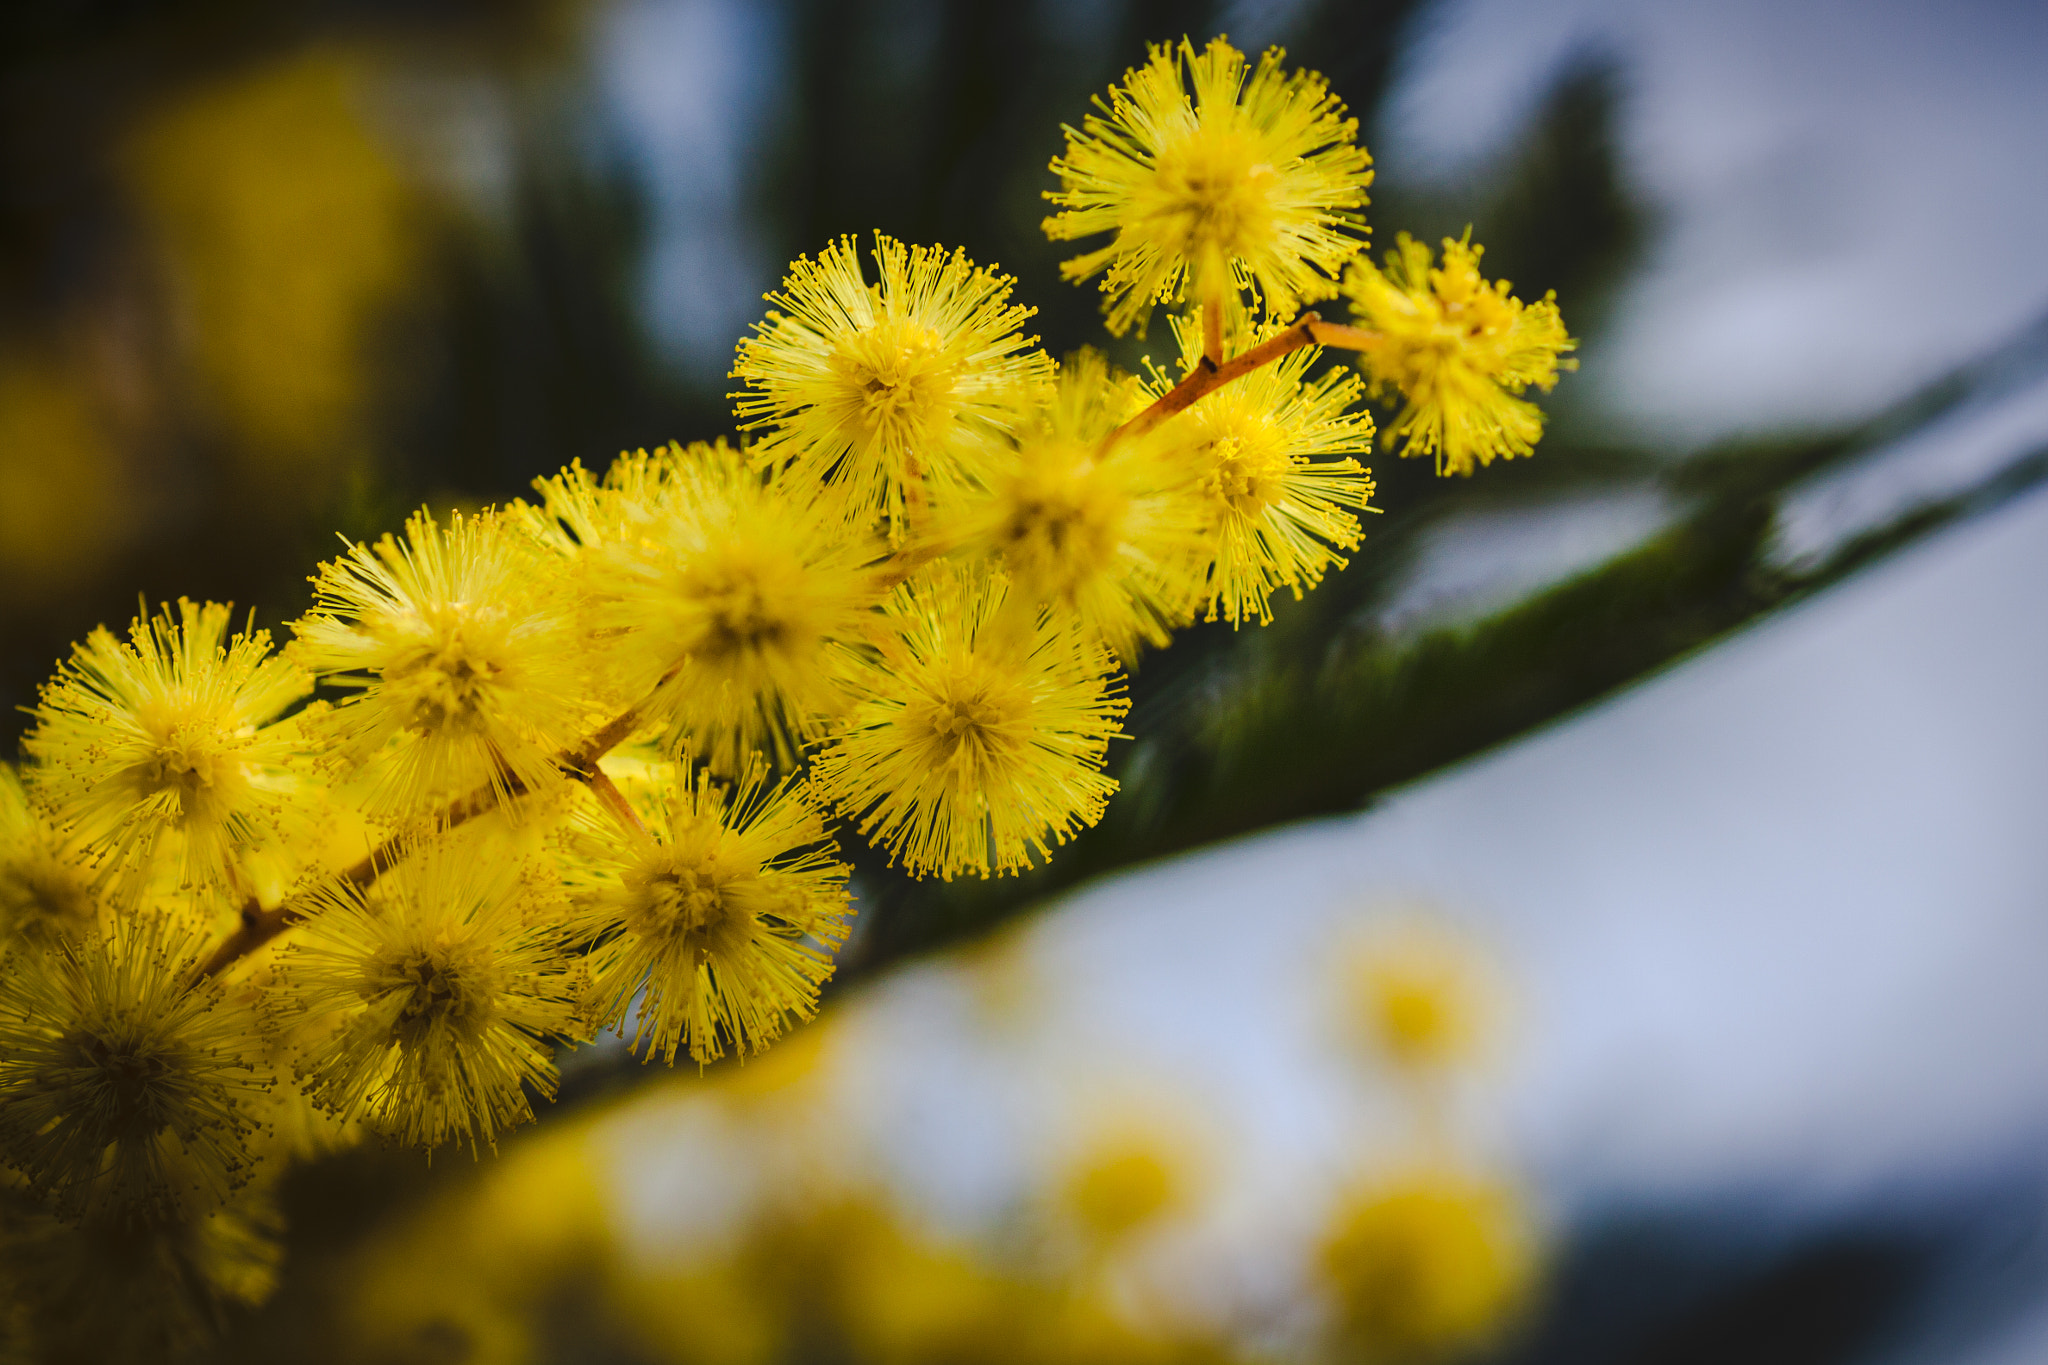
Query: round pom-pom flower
x=1426 y=1264
x=726 y=615
x=726 y=911
x=980 y=738
x=1459 y=350
x=459 y=647
x=1273 y=480
x=160 y=750
x=1212 y=180
x=1100 y=531
x=127 y=1085
x=1422 y=997
x=886 y=392
x=446 y=986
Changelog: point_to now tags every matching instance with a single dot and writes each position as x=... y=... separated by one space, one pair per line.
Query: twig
x=261 y=923
x=1308 y=329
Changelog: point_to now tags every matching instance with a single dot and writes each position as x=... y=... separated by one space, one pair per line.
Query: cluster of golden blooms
x=237 y=921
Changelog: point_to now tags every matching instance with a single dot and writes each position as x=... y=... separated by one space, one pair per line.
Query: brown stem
x=260 y=924
x=1308 y=329
x=605 y=790
x=1205 y=379
x=1212 y=330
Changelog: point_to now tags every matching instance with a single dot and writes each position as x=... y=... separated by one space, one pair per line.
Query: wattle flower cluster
x=581 y=764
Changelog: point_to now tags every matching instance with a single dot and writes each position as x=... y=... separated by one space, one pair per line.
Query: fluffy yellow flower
x=1277 y=491
x=1426 y=1264
x=1420 y=997
x=462 y=654
x=127 y=1088
x=1125 y=1181
x=1212 y=181
x=159 y=753
x=731 y=609
x=447 y=984
x=46 y=892
x=726 y=913
x=1459 y=350
x=885 y=392
x=1109 y=537
x=981 y=734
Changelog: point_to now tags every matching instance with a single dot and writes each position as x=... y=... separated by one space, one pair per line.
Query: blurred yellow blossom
x=287 y=231
x=1426 y=1264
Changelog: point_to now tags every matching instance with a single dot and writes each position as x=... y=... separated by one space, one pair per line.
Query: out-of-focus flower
x=1125 y=1180
x=287 y=232
x=46 y=891
x=1420 y=996
x=127 y=1089
x=65 y=500
x=1425 y=1265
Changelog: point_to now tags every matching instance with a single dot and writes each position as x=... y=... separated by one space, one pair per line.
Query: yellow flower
x=1126 y=1180
x=1459 y=350
x=730 y=611
x=127 y=1088
x=447 y=985
x=726 y=914
x=288 y=230
x=160 y=751
x=1421 y=997
x=1276 y=491
x=1426 y=1264
x=980 y=737
x=1105 y=536
x=883 y=392
x=1211 y=183
x=45 y=890
x=459 y=644
x=580 y=512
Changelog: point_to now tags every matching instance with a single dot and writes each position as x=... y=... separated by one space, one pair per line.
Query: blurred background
x=1605 y=924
